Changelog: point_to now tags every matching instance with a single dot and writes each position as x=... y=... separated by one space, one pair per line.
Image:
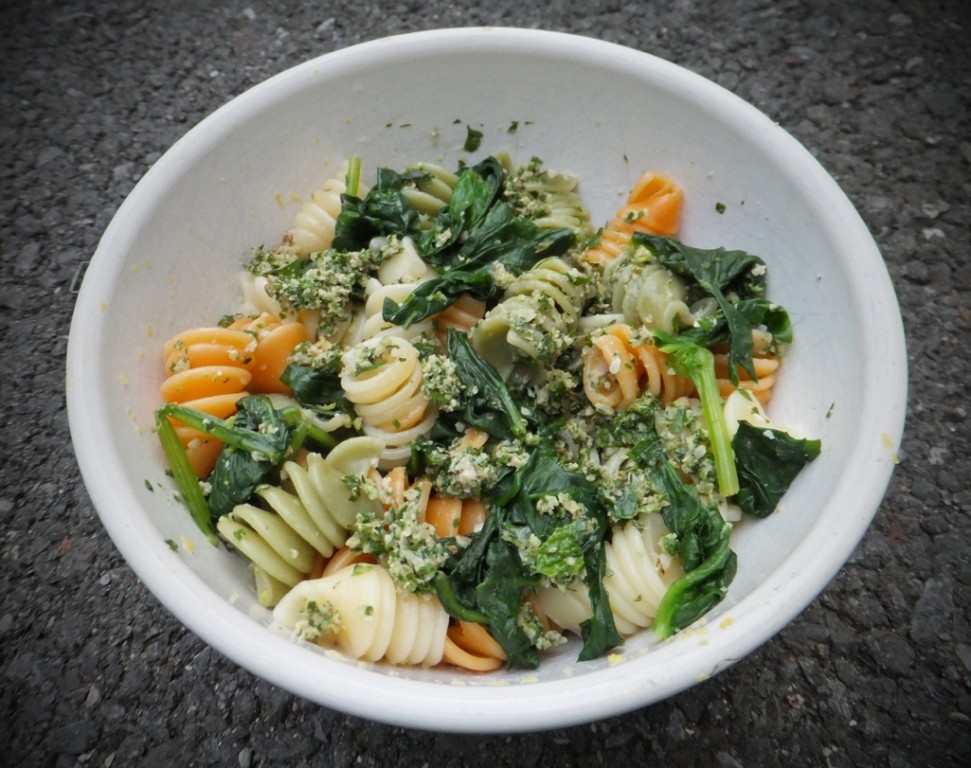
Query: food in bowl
x=454 y=421
x=166 y=263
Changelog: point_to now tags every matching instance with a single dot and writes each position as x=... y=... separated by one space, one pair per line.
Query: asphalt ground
x=94 y=672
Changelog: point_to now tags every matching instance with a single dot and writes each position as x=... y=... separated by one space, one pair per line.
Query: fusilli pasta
x=313 y=227
x=617 y=369
x=536 y=319
x=372 y=618
x=383 y=378
x=653 y=206
x=306 y=519
x=647 y=293
x=639 y=571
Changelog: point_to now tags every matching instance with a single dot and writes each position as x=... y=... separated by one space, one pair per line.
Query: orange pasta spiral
x=462 y=316
x=618 y=369
x=764 y=363
x=653 y=207
x=210 y=369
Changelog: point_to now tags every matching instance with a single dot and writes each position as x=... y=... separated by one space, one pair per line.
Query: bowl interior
x=171 y=256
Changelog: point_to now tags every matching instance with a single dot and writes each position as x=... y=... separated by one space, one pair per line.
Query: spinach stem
x=721 y=442
x=306 y=428
x=185 y=476
x=451 y=604
x=353 y=175
x=698 y=364
x=241 y=439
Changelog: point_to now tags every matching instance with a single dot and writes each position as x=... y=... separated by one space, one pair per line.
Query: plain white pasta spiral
x=313 y=227
x=383 y=379
x=535 y=319
x=310 y=513
x=404 y=265
x=373 y=619
x=398 y=276
x=639 y=572
x=648 y=293
x=376 y=326
x=258 y=299
x=256 y=295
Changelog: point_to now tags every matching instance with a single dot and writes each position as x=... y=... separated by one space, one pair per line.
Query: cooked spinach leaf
x=500 y=238
x=487 y=403
x=383 y=211
x=499 y=596
x=702 y=542
x=314 y=387
x=599 y=632
x=240 y=468
x=717 y=271
x=768 y=461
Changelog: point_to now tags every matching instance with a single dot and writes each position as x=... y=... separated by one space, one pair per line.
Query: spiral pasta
x=416 y=621
x=208 y=370
x=765 y=364
x=617 y=369
x=449 y=516
x=433 y=191
x=467 y=645
x=304 y=520
x=648 y=293
x=397 y=278
x=313 y=227
x=639 y=571
x=471 y=647
x=375 y=326
x=383 y=378
x=257 y=295
x=547 y=198
x=653 y=206
x=371 y=618
x=275 y=341
x=535 y=319
x=462 y=315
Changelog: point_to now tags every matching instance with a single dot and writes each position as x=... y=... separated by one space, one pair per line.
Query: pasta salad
x=454 y=422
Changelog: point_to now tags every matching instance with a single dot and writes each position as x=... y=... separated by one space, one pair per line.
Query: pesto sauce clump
x=404 y=544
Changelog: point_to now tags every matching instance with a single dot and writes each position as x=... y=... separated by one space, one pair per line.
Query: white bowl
x=605 y=113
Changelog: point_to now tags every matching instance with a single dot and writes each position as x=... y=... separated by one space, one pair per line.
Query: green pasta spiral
x=309 y=513
x=536 y=319
x=549 y=199
x=433 y=191
x=648 y=293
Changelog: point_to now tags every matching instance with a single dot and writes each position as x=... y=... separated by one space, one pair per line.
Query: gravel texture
x=94 y=672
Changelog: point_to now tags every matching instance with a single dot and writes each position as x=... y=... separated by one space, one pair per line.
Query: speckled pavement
x=94 y=672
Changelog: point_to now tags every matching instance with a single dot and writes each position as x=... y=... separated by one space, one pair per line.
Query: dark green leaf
x=383 y=211
x=500 y=597
x=599 y=632
x=717 y=271
x=768 y=461
x=490 y=393
x=313 y=387
x=238 y=472
x=500 y=238
x=473 y=139
x=695 y=593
